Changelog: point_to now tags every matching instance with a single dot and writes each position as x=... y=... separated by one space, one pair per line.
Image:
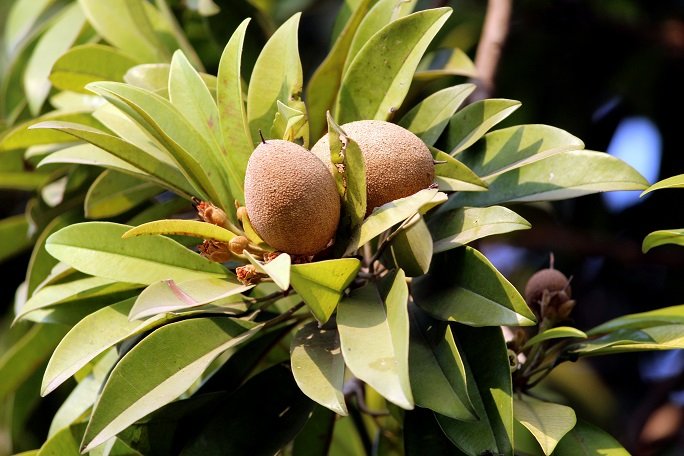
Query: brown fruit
x=398 y=163
x=291 y=198
x=549 y=279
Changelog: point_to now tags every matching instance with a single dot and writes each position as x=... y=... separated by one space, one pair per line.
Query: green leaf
x=154 y=77
x=588 y=440
x=429 y=117
x=389 y=214
x=463 y=286
x=374 y=334
x=411 y=248
x=663 y=316
x=14 y=236
x=457 y=64
x=559 y=332
x=282 y=409
x=318 y=366
x=64 y=443
x=164 y=173
x=194 y=228
x=325 y=82
x=26 y=355
x=510 y=148
x=670 y=182
x=664 y=337
x=56 y=40
x=132 y=391
x=422 y=435
x=438 y=376
x=87 y=63
x=315 y=437
x=25 y=180
x=350 y=175
x=87 y=154
x=459 y=227
x=114 y=193
x=231 y=105
x=663 y=237
x=96 y=248
x=548 y=422
x=476 y=119
x=277 y=269
x=561 y=176
x=322 y=283
x=135 y=27
x=379 y=77
x=169 y=296
x=22 y=137
x=277 y=75
x=21 y=21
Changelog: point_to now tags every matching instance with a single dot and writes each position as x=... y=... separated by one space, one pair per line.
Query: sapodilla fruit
x=551 y=280
x=291 y=198
x=398 y=163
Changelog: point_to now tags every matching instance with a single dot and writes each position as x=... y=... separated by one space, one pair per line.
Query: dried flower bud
x=211 y=214
x=241 y=213
x=248 y=274
x=215 y=250
x=238 y=244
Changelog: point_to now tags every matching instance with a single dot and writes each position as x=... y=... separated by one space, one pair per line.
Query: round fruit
x=291 y=198
x=549 y=279
x=398 y=163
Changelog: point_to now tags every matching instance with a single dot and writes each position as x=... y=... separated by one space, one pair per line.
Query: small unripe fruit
x=291 y=198
x=551 y=280
x=398 y=163
x=238 y=244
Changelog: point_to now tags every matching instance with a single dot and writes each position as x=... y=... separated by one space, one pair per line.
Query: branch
x=492 y=39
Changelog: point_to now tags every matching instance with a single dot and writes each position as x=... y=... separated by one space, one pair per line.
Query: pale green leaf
x=113 y=193
x=457 y=64
x=277 y=75
x=663 y=316
x=664 y=337
x=64 y=442
x=463 y=286
x=322 y=283
x=277 y=269
x=510 y=148
x=453 y=176
x=22 y=137
x=132 y=390
x=459 y=227
x=96 y=248
x=379 y=77
x=548 y=422
x=169 y=296
x=429 y=117
x=473 y=121
x=194 y=228
x=670 y=182
x=561 y=176
x=587 y=440
x=411 y=248
x=318 y=366
x=23 y=180
x=663 y=237
x=374 y=332
x=87 y=154
x=559 y=332
x=21 y=21
x=155 y=78
x=88 y=63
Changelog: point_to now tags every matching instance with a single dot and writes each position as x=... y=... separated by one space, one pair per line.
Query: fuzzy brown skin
x=551 y=280
x=291 y=198
x=398 y=163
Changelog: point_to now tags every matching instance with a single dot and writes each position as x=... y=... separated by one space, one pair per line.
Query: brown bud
x=215 y=251
x=241 y=213
x=211 y=214
x=248 y=274
x=238 y=244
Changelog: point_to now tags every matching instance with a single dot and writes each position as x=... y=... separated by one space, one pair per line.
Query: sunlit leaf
x=277 y=269
x=194 y=228
x=22 y=137
x=663 y=337
x=663 y=316
x=559 y=332
x=587 y=440
x=548 y=422
x=663 y=237
x=318 y=366
x=670 y=182
x=457 y=64
x=453 y=176
x=20 y=22
x=476 y=119
x=64 y=442
x=113 y=193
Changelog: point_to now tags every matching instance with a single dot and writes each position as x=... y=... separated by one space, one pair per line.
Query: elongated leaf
x=588 y=440
x=663 y=316
x=231 y=105
x=378 y=78
x=558 y=332
x=155 y=78
x=169 y=296
x=120 y=405
x=457 y=64
x=318 y=366
x=388 y=215
x=438 y=377
x=58 y=38
x=325 y=82
x=164 y=173
x=463 y=286
x=561 y=176
x=89 y=63
x=87 y=154
x=277 y=269
x=22 y=137
x=429 y=117
x=510 y=148
x=374 y=333
x=113 y=193
x=663 y=237
x=670 y=182
x=20 y=21
x=548 y=422
x=277 y=75
x=14 y=236
x=411 y=249
x=28 y=354
x=322 y=283
x=25 y=180
x=65 y=442
x=664 y=337
x=315 y=437
x=181 y=227
x=472 y=122
x=96 y=248
x=459 y=227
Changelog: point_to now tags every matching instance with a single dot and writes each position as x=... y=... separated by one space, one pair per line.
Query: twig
x=492 y=39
